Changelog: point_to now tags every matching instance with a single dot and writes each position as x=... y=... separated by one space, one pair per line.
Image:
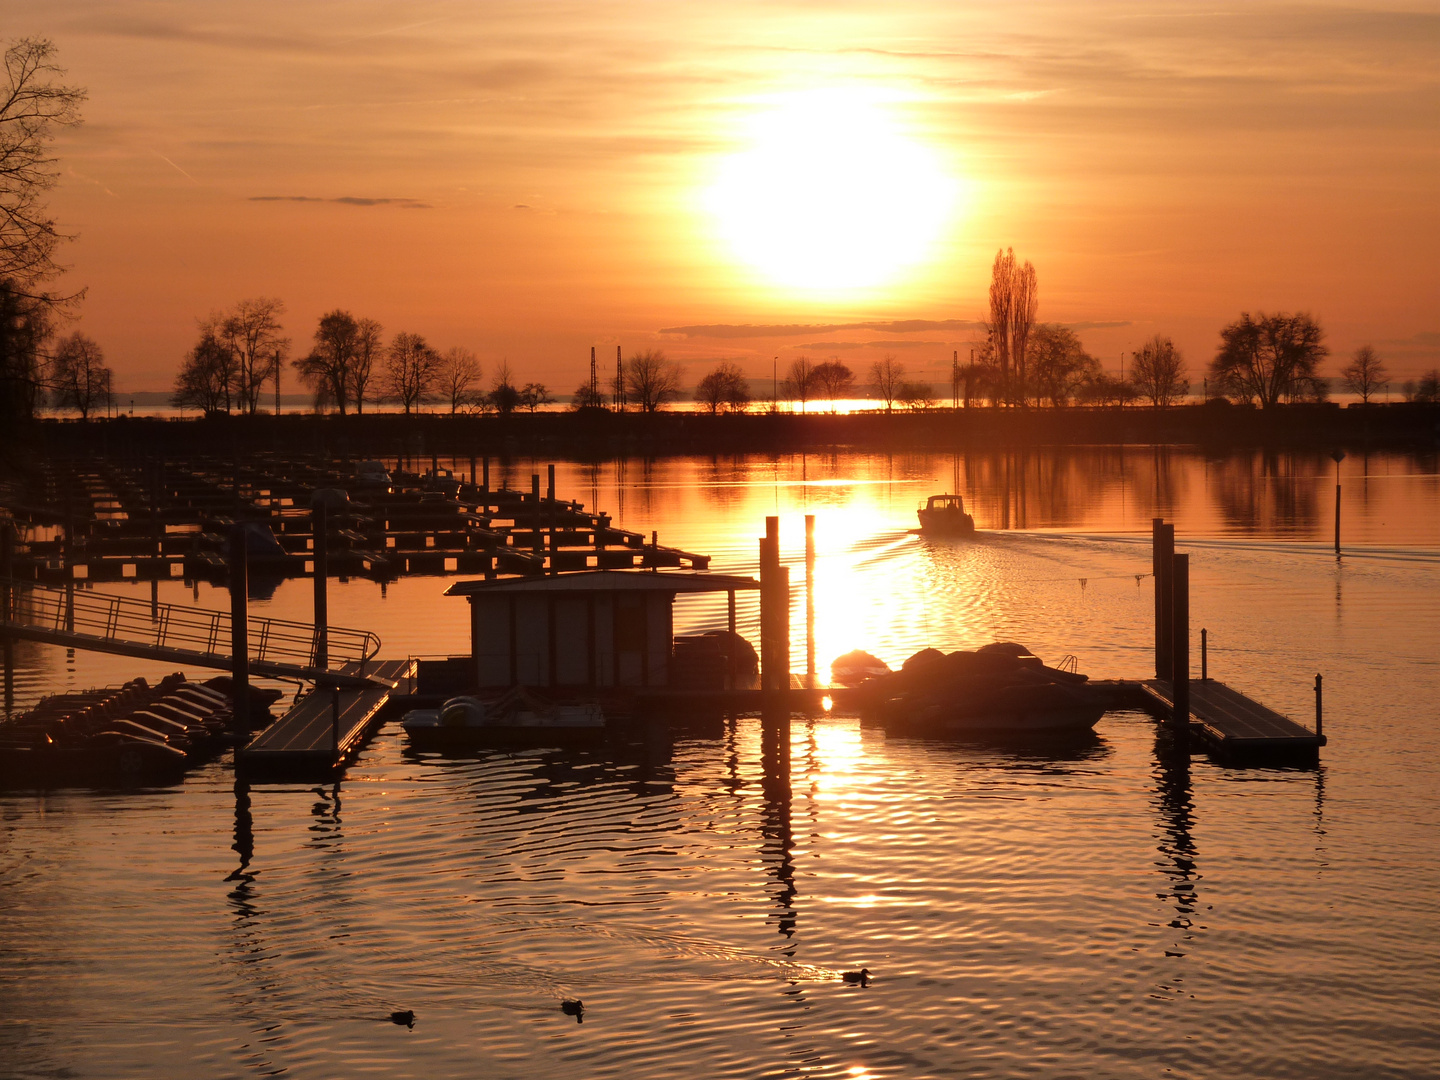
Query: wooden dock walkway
x=1237 y=726
x=308 y=743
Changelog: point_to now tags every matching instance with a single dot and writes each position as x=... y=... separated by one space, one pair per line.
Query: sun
x=831 y=194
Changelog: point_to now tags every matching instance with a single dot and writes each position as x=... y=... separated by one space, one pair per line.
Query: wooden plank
x=1234 y=722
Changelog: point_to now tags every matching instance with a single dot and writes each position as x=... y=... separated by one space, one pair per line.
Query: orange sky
x=547 y=168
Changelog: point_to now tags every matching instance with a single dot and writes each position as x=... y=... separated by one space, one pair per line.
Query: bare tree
x=587 y=396
x=1158 y=372
x=535 y=395
x=724 y=388
x=458 y=377
x=885 y=378
x=33 y=104
x=1269 y=358
x=1427 y=389
x=1059 y=366
x=651 y=380
x=834 y=381
x=1365 y=374
x=411 y=368
x=369 y=347
x=328 y=367
x=206 y=378
x=78 y=376
x=252 y=330
x=503 y=396
x=1014 y=301
x=799 y=382
x=916 y=396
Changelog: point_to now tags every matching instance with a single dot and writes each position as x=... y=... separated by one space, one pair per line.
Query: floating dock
x=1236 y=727
x=326 y=727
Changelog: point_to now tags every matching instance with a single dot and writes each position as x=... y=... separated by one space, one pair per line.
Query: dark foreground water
x=1103 y=909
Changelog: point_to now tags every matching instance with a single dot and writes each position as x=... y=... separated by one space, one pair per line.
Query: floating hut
x=589 y=630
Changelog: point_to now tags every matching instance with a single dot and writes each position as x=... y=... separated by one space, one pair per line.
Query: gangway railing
x=77 y=616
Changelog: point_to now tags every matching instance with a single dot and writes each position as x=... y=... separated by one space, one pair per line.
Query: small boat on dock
x=519 y=717
x=944 y=515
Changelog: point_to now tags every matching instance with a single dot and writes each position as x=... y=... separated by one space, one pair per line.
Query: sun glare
x=830 y=194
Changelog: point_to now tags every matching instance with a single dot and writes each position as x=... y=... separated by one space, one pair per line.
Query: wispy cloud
x=345 y=200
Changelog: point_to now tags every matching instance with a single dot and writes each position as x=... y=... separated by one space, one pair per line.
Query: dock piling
x=810 y=601
x=7 y=645
x=239 y=644
x=485 y=478
x=550 y=487
x=1180 y=638
x=320 y=539
x=1204 y=655
x=1162 y=545
x=1319 y=712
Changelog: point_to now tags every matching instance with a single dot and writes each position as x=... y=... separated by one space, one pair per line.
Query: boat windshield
x=945 y=502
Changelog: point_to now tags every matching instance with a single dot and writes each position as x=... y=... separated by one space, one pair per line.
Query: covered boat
x=998 y=690
x=944 y=515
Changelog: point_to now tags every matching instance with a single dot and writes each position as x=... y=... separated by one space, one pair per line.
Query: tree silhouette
x=1268 y=358
x=78 y=376
x=834 y=380
x=1365 y=374
x=411 y=369
x=1159 y=372
x=886 y=375
x=651 y=380
x=799 y=382
x=329 y=367
x=724 y=388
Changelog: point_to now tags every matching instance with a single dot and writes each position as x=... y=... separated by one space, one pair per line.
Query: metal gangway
x=178 y=634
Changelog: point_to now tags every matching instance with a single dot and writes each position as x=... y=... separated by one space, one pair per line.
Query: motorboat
x=519 y=716
x=944 y=515
x=1001 y=689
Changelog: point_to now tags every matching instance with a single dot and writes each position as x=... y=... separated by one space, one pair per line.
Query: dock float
x=1235 y=726
x=326 y=727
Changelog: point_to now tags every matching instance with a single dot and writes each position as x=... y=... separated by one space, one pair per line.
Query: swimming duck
x=862 y=977
x=574 y=1007
x=407 y=1018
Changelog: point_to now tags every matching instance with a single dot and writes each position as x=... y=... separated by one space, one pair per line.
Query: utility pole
x=619 y=382
x=594 y=380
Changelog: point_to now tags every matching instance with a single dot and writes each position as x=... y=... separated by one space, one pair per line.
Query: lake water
x=1112 y=909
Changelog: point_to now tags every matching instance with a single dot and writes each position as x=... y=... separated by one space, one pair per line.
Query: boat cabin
x=945 y=504
x=589 y=630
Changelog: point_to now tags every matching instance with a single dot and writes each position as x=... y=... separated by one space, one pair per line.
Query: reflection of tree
x=722 y=478
x=1175 y=817
x=1267 y=490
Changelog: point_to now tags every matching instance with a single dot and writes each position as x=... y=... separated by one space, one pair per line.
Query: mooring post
x=335 y=722
x=1162 y=546
x=239 y=636
x=485 y=480
x=7 y=644
x=1180 y=638
x=1319 y=712
x=321 y=564
x=1204 y=655
x=68 y=558
x=472 y=470
x=810 y=601
x=550 y=488
x=1339 y=456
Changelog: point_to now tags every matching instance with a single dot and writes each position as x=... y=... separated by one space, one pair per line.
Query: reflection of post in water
x=241 y=896
x=776 y=831
x=1177 y=817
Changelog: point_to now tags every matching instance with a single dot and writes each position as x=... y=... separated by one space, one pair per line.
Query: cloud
x=748 y=330
x=1097 y=325
x=819 y=346
x=345 y=200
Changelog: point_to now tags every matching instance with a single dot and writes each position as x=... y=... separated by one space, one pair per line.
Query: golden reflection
x=830 y=193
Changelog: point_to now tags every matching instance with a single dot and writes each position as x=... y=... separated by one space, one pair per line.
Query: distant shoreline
x=600 y=434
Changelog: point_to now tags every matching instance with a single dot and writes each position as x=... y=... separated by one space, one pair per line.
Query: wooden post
x=1162 y=545
x=550 y=489
x=320 y=556
x=485 y=480
x=1180 y=638
x=810 y=601
x=1204 y=655
x=472 y=470
x=7 y=644
x=1337 y=516
x=335 y=722
x=1319 y=712
x=239 y=629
